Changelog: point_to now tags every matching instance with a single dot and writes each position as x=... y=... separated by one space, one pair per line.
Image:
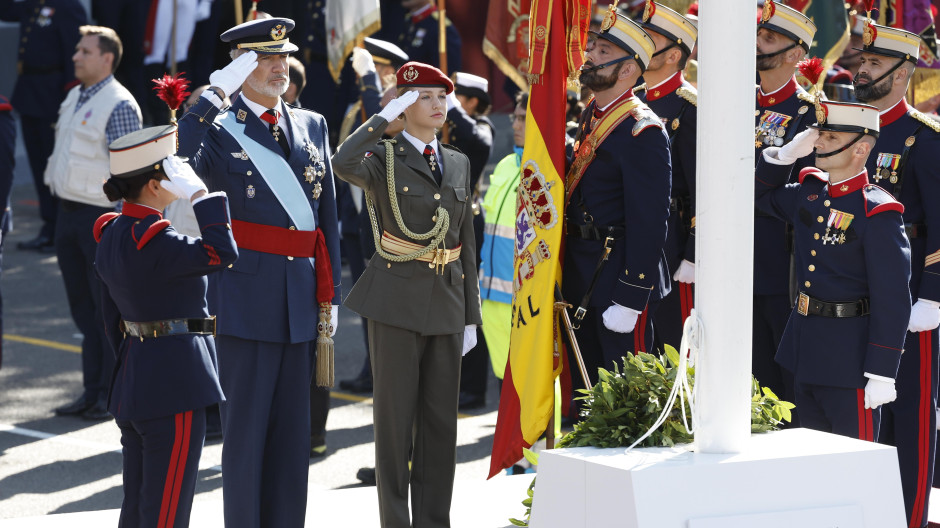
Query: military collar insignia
x=849 y=186
x=664 y=88
x=894 y=113
x=241 y=115
x=240 y=155
x=780 y=95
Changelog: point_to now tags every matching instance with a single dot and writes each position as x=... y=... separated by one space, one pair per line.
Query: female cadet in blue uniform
x=844 y=338
x=157 y=321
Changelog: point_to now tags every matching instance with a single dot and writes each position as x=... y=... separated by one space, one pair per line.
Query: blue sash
x=273 y=168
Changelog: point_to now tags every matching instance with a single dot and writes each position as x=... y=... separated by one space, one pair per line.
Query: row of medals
x=312 y=173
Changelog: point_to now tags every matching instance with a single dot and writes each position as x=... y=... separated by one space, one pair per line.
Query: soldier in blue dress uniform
x=784 y=35
x=904 y=163
x=153 y=297
x=7 y=162
x=674 y=100
x=269 y=302
x=844 y=338
x=45 y=73
x=422 y=33
x=617 y=190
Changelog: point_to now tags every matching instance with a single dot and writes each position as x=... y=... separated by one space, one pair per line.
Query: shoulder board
x=451 y=147
x=645 y=118
x=103 y=222
x=930 y=122
x=146 y=228
x=689 y=94
x=878 y=200
x=814 y=172
x=803 y=96
x=640 y=88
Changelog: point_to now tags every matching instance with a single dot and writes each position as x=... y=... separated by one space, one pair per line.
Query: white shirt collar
x=892 y=107
x=782 y=86
x=606 y=106
x=418 y=144
x=258 y=109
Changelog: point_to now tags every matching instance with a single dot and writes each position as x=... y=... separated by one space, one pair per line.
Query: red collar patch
x=139 y=211
x=777 y=97
x=423 y=14
x=600 y=113
x=894 y=113
x=665 y=88
x=849 y=186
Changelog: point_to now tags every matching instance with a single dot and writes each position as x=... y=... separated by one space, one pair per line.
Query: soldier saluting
x=419 y=293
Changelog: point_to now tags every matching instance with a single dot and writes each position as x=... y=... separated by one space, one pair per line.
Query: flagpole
x=239 y=17
x=172 y=51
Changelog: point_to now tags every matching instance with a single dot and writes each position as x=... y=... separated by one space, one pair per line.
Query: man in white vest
x=94 y=114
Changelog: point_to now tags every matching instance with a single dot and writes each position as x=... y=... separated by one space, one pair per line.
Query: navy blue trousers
x=266 y=426
x=75 y=248
x=770 y=316
x=39 y=138
x=603 y=348
x=161 y=461
x=838 y=411
x=672 y=312
x=910 y=422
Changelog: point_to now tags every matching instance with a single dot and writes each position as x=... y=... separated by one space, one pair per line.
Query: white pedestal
x=796 y=477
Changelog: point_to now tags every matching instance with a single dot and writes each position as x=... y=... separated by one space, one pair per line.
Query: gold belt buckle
x=441 y=257
x=802 y=304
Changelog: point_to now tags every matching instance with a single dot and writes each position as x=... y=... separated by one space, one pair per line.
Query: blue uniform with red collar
x=625 y=187
x=421 y=35
x=674 y=101
x=861 y=253
x=910 y=421
x=778 y=118
x=161 y=386
x=267 y=309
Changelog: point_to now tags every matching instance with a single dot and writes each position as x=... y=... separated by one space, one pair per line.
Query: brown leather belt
x=806 y=305
x=152 y=329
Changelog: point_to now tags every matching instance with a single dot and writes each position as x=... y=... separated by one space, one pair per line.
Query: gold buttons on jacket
x=290 y=258
x=813 y=252
x=292 y=228
x=819 y=219
x=230 y=266
x=437 y=196
x=371 y=129
x=404 y=189
x=816 y=236
x=434 y=218
x=826 y=203
x=812 y=267
x=807 y=284
x=248 y=173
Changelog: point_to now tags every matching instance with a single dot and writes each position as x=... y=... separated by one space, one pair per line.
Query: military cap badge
x=870 y=33
x=278 y=32
x=411 y=74
x=610 y=18
x=648 y=11
x=768 y=11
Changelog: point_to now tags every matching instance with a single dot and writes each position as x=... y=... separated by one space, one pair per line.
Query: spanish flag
x=558 y=33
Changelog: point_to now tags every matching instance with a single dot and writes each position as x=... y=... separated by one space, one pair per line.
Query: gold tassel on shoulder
x=324 y=347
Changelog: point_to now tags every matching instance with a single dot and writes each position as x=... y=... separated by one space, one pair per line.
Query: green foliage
x=767 y=410
x=528 y=501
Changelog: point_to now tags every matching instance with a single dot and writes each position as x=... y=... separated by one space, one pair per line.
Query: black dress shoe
x=37 y=244
x=366 y=475
x=96 y=413
x=75 y=408
x=470 y=401
x=360 y=385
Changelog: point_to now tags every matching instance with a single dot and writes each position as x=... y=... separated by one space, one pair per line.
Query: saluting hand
x=362 y=62
x=183 y=181
x=231 y=77
x=799 y=147
x=396 y=106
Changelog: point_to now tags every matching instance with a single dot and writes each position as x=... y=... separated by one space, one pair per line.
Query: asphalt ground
x=51 y=464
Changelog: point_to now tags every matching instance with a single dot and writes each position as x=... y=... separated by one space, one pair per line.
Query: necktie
x=432 y=163
x=271 y=117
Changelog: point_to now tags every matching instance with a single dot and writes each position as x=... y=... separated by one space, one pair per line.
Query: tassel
x=324 y=347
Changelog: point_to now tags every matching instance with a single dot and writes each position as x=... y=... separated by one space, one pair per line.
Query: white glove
x=362 y=62
x=685 y=273
x=396 y=106
x=334 y=319
x=469 y=338
x=799 y=147
x=453 y=102
x=925 y=316
x=231 y=77
x=878 y=392
x=203 y=10
x=182 y=182
x=620 y=318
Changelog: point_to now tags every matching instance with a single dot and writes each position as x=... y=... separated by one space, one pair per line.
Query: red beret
x=414 y=74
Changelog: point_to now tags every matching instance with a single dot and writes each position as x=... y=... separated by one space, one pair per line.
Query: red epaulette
x=880 y=201
x=811 y=171
x=142 y=238
x=102 y=222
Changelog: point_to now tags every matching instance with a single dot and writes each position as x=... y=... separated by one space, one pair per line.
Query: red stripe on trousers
x=181 y=467
x=639 y=333
x=688 y=300
x=861 y=414
x=923 y=427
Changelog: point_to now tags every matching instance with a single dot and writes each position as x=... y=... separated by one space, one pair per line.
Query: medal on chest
x=886 y=167
x=316 y=170
x=771 y=128
x=835 y=228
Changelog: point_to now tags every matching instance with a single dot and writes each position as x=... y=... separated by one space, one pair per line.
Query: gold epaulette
x=689 y=94
x=932 y=123
x=645 y=118
x=640 y=88
x=803 y=96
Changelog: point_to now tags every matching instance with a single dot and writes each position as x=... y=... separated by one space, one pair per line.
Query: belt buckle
x=441 y=256
x=802 y=304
